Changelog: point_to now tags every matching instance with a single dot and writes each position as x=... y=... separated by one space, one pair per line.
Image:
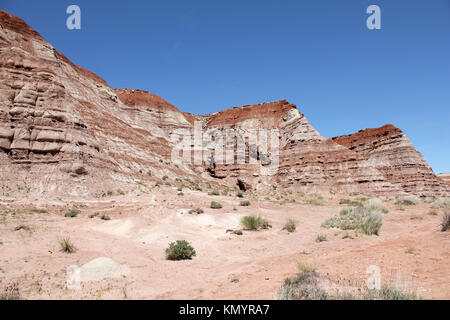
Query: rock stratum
x=64 y=130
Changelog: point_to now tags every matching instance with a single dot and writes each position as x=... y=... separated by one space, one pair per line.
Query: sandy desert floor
x=410 y=247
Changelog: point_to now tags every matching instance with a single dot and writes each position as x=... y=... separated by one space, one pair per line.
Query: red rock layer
x=63 y=130
x=389 y=151
x=445 y=177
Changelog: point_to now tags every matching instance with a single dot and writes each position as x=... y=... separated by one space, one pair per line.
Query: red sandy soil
x=141 y=227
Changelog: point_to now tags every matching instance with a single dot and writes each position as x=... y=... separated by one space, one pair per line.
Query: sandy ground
x=227 y=266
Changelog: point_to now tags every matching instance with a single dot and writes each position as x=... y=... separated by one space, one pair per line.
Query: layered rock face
x=445 y=177
x=63 y=130
x=389 y=150
x=306 y=160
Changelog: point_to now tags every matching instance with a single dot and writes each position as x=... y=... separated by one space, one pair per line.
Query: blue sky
x=204 y=56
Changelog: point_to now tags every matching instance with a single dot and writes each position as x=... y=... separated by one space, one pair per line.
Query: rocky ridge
x=64 y=130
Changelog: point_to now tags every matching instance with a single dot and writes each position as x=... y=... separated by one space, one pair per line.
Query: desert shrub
x=407 y=200
x=105 y=217
x=216 y=205
x=254 y=223
x=66 y=245
x=158 y=183
x=432 y=213
x=389 y=292
x=356 y=218
x=165 y=178
x=445 y=224
x=244 y=203
x=428 y=199
x=121 y=192
x=309 y=285
x=441 y=203
x=180 y=194
x=321 y=238
x=345 y=201
x=93 y=215
x=240 y=194
x=11 y=292
x=180 y=250
x=375 y=204
x=417 y=216
x=197 y=211
x=215 y=193
x=238 y=232
x=304 y=286
x=315 y=200
x=72 y=213
x=305 y=267
x=22 y=227
x=290 y=225
x=410 y=250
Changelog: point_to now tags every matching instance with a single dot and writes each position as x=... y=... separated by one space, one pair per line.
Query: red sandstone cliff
x=64 y=130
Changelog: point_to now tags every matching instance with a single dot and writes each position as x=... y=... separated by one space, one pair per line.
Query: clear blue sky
x=204 y=56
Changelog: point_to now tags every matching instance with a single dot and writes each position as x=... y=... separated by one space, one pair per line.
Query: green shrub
x=22 y=227
x=407 y=200
x=11 y=292
x=310 y=286
x=216 y=205
x=215 y=193
x=315 y=200
x=345 y=201
x=105 y=217
x=180 y=250
x=410 y=250
x=321 y=238
x=290 y=225
x=442 y=203
x=165 y=178
x=180 y=194
x=445 y=224
x=254 y=223
x=375 y=204
x=197 y=211
x=304 y=286
x=66 y=245
x=356 y=218
x=244 y=203
x=389 y=292
x=72 y=213
x=305 y=267
x=94 y=215
x=428 y=199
